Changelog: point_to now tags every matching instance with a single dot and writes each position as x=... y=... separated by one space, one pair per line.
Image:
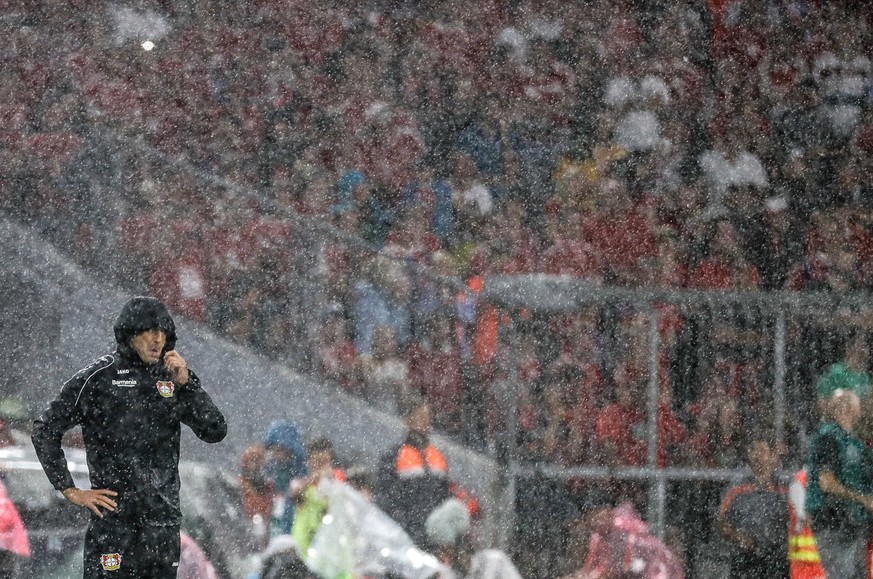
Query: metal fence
x=772 y=345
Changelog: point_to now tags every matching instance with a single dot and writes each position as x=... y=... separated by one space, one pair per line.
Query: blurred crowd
x=395 y=146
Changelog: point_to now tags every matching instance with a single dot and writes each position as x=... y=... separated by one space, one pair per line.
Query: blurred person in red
x=716 y=439
x=137 y=227
x=564 y=436
x=622 y=430
x=337 y=357
x=726 y=266
x=621 y=546
x=565 y=250
x=830 y=261
x=574 y=397
x=257 y=493
x=619 y=231
x=179 y=280
x=773 y=242
x=734 y=332
x=435 y=372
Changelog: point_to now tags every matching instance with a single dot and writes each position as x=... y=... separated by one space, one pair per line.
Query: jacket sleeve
x=62 y=414
x=197 y=410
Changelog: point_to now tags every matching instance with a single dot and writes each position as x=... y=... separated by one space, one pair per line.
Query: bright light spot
x=328 y=519
x=419 y=558
x=385 y=552
x=148 y=45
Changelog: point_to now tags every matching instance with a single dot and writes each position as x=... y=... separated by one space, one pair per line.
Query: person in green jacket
x=310 y=504
x=839 y=496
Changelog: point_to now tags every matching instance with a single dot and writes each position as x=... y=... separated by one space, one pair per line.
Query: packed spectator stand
x=386 y=157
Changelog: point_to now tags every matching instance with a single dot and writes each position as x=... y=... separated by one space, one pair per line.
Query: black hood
x=140 y=314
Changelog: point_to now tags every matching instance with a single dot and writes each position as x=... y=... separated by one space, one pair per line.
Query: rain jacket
x=282 y=433
x=193 y=562
x=621 y=544
x=13 y=535
x=131 y=415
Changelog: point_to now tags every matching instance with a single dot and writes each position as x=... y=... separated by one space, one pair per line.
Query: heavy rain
x=468 y=288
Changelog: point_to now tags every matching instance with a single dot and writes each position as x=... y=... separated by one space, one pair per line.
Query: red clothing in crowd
x=620 y=240
x=716 y=274
x=181 y=284
x=338 y=361
x=436 y=373
x=571 y=257
x=627 y=428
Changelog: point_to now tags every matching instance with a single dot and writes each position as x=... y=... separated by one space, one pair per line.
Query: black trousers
x=747 y=565
x=121 y=549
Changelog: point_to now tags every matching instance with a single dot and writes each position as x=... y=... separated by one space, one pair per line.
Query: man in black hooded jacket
x=130 y=405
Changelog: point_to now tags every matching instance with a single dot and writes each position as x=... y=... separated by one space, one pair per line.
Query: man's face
x=419 y=420
x=320 y=462
x=149 y=345
x=763 y=460
x=280 y=455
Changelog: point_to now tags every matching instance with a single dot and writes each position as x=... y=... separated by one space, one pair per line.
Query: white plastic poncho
x=356 y=537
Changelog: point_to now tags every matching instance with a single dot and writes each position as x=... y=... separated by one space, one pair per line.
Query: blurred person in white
x=842 y=73
x=448 y=532
x=385 y=371
x=730 y=164
x=639 y=102
x=382 y=298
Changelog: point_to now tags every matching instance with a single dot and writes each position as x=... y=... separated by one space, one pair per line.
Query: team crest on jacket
x=165 y=388
x=110 y=561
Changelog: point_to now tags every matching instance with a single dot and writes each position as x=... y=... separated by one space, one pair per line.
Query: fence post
x=779 y=378
x=657 y=484
x=506 y=454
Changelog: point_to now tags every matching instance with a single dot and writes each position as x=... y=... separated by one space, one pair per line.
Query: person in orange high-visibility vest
x=413 y=478
x=803 y=558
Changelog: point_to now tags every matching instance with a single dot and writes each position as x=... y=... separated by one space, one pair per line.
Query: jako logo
x=125 y=371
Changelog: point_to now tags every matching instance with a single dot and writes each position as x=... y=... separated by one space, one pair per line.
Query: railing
x=782 y=361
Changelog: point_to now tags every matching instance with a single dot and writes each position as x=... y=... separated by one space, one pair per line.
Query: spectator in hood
x=131 y=405
x=285 y=461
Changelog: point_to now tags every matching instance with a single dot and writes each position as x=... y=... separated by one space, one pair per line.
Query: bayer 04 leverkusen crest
x=110 y=561
x=165 y=388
